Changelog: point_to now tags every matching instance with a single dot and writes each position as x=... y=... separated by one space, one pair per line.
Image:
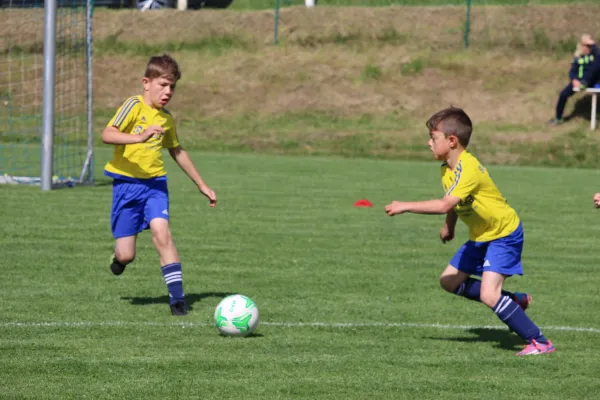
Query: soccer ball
x=236 y=315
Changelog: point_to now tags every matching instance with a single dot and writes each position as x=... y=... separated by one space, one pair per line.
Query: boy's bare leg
x=124 y=254
x=163 y=242
x=491 y=288
x=170 y=264
x=461 y=284
x=452 y=278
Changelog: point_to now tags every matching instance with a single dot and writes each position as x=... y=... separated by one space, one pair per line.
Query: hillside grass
x=266 y=4
x=356 y=81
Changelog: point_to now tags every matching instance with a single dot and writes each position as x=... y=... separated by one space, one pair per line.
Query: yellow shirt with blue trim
x=482 y=207
x=141 y=160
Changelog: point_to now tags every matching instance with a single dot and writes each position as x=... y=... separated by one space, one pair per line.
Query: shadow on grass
x=503 y=338
x=583 y=109
x=252 y=335
x=190 y=298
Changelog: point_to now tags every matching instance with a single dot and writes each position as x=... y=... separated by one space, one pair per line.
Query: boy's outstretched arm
x=437 y=206
x=182 y=158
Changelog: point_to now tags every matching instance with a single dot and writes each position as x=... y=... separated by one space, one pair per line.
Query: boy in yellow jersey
x=140 y=129
x=493 y=251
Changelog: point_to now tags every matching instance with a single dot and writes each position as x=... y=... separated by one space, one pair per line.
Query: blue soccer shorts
x=135 y=204
x=501 y=255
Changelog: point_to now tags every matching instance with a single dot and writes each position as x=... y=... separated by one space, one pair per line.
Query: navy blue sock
x=471 y=288
x=512 y=315
x=173 y=279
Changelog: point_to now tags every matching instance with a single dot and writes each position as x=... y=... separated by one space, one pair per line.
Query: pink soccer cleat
x=535 y=348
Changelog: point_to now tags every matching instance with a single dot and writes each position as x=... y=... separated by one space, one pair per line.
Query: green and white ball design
x=236 y=315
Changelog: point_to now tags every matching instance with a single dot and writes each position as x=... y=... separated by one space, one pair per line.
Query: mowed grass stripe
x=342 y=325
x=286 y=234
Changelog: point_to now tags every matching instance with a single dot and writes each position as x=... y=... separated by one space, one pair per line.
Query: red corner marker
x=363 y=203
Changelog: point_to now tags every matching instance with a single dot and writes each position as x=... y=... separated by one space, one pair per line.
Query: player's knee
x=565 y=94
x=489 y=297
x=161 y=239
x=448 y=284
x=125 y=257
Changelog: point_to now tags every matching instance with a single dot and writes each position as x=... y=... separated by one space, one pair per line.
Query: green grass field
x=349 y=299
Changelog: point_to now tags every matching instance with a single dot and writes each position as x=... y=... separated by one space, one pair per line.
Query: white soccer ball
x=236 y=315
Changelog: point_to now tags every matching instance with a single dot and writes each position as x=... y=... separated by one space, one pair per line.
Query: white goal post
x=46 y=92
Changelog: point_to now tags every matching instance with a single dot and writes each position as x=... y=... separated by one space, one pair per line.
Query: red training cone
x=363 y=203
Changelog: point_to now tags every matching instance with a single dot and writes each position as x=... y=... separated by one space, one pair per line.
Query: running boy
x=140 y=129
x=495 y=231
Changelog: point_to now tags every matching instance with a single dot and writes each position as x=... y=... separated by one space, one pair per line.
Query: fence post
x=468 y=23
x=276 y=29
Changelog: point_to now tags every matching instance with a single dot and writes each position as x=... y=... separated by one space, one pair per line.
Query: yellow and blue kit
x=495 y=230
x=140 y=191
x=140 y=160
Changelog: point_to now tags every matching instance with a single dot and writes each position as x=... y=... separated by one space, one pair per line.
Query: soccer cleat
x=179 y=308
x=522 y=299
x=535 y=348
x=115 y=266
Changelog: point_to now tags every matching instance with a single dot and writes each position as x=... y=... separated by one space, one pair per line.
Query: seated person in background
x=584 y=73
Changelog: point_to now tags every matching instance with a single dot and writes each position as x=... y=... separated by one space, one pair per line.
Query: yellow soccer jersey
x=482 y=207
x=141 y=160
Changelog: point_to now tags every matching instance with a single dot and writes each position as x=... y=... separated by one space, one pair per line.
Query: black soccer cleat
x=116 y=267
x=179 y=308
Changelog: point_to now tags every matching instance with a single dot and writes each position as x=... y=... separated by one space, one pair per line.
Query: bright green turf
x=285 y=233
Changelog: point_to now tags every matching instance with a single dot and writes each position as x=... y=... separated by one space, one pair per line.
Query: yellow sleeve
x=170 y=139
x=126 y=114
x=465 y=182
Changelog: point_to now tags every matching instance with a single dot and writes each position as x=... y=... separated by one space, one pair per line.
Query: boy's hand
x=575 y=83
x=209 y=193
x=446 y=234
x=395 y=208
x=597 y=200
x=149 y=132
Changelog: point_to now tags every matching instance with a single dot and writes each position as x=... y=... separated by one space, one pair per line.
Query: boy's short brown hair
x=453 y=121
x=163 y=67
